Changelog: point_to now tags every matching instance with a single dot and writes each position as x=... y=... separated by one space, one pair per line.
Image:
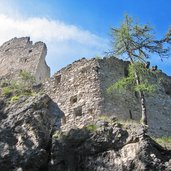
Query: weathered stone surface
x=107 y=147
x=76 y=89
x=25 y=133
x=80 y=89
x=21 y=54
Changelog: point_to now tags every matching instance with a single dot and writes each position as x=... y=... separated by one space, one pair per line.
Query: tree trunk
x=143 y=109
x=142 y=98
x=142 y=102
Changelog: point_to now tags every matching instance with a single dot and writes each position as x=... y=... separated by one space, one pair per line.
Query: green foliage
x=19 y=87
x=14 y=98
x=120 y=85
x=104 y=118
x=98 y=57
x=27 y=77
x=145 y=87
x=138 y=41
x=91 y=127
x=128 y=122
x=57 y=134
x=6 y=91
x=130 y=81
x=163 y=141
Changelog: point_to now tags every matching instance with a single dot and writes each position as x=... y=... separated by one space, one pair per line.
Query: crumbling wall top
x=21 y=54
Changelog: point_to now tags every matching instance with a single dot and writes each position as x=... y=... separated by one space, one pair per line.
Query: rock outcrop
x=21 y=54
x=30 y=140
x=25 y=133
x=107 y=146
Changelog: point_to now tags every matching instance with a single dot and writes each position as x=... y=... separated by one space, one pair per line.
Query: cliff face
x=80 y=89
x=25 y=133
x=21 y=54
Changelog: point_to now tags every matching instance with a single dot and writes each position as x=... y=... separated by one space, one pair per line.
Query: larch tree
x=137 y=43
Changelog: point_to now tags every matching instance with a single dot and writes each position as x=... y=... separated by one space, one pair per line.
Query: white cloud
x=65 y=42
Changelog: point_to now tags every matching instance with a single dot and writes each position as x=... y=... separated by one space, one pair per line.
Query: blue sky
x=79 y=28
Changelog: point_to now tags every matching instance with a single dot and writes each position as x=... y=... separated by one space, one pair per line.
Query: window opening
x=78 y=111
x=73 y=99
x=58 y=79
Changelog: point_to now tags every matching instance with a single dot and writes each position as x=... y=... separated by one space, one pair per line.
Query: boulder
x=25 y=133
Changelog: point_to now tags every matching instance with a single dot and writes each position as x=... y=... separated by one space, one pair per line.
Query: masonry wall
x=84 y=84
x=159 y=106
x=80 y=89
x=123 y=105
x=76 y=89
x=21 y=54
x=126 y=104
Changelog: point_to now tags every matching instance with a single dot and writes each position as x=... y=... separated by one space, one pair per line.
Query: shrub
x=6 y=91
x=19 y=87
x=15 y=98
x=105 y=118
x=163 y=140
x=98 y=57
x=27 y=77
x=91 y=128
x=128 y=122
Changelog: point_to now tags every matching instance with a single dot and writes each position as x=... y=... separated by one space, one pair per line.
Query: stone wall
x=21 y=54
x=126 y=105
x=76 y=89
x=84 y=84
x=121 y=104
x=159 y=106
x=80 y=89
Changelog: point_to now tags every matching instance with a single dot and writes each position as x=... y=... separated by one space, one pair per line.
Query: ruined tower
x=21 y=54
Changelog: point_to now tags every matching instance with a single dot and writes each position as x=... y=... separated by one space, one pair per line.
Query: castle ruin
x=21 y=54
x=80 y=89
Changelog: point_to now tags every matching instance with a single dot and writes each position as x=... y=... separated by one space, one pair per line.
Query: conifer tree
x=137 y=43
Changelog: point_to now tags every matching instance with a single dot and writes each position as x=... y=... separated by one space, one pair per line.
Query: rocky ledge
x=28 y=142
x=107 y=146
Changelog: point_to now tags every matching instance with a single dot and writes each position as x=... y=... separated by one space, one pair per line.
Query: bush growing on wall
x=22 y=86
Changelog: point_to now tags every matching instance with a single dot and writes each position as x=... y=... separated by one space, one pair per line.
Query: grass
x=104 y=118
x=57 y=134
x=120 y=121
x=128 y=122
x=15 y=88
x=6 y=91
x=91 y=128
x=14 y=98
x=163 y=141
